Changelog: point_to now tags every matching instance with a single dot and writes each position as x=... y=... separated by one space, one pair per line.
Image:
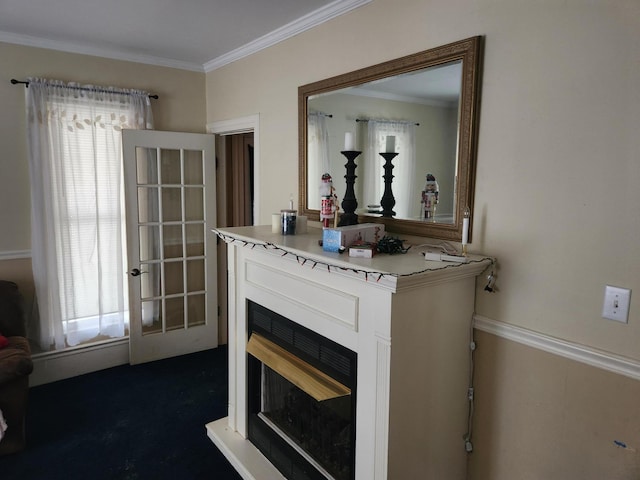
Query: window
x=78 y=226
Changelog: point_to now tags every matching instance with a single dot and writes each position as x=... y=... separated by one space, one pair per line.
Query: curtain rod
x=388 y=121
x=100 y=90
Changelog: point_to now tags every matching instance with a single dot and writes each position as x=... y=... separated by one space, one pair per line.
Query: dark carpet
x=128 y=422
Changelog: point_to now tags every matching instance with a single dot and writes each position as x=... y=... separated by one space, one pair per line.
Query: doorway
x=237 y=138
x=239 y=179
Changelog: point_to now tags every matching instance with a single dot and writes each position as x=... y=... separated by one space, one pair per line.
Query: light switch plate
x=616 y=304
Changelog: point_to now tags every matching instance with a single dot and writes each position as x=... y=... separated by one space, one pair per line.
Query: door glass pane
x=146 y=166
x=195 y=240
x=195 y=304
x=170 y=167
x=151 y=317
x=150 y=281
x=171 y=204
x=149 y=243
x=195 y=275
x=194 y=199
x=173 y=278
x=148 y=211
x=193 y=167
x=172 y=241
x=175 y=313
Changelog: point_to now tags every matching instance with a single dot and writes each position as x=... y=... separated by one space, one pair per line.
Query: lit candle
x=391 y=144
x=348 y=142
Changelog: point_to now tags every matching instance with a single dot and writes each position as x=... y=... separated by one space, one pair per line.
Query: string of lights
x=368 y=274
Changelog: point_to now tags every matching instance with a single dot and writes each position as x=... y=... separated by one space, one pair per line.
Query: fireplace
x=403 y=322
x=301 y=404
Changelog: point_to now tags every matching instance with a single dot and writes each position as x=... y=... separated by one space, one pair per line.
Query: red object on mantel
x=4 y=341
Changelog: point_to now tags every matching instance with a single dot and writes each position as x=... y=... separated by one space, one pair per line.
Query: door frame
x=250 y=123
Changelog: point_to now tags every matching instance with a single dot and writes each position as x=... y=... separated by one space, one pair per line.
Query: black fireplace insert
x=305 y=439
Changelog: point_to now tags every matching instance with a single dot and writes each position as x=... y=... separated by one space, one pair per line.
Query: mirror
x=429 y=103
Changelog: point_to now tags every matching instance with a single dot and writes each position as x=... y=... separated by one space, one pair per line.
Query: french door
x=170 y=193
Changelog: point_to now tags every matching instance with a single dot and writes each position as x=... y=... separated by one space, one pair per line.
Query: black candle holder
x=388 y=200
x=349 y=202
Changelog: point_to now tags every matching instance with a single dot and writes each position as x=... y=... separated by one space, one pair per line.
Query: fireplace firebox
x=301 y=402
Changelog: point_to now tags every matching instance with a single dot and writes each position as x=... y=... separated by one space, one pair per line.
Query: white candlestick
x=466 y=215
x=391 y=144
x=465 y=231
x=348 y=142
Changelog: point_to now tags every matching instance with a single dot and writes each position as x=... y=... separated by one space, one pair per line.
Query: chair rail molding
x=14 y=254
x=574 y=351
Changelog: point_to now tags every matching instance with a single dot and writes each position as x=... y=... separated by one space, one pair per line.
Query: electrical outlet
x=616 y=304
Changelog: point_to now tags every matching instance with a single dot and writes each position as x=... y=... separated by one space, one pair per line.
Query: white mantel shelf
x=394 y=272
x=408 y=321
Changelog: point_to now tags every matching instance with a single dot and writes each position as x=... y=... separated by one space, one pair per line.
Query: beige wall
x=558 y=172
x=180 y=108
x=556 y=194
x=556 y=202
x=543 y=417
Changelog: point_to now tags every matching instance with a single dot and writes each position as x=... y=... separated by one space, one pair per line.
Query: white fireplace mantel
x=407 y=319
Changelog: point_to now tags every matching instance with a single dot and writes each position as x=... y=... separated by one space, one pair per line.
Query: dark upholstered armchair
x=15 y=367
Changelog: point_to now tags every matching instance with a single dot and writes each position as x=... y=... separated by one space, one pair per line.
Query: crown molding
x=313 y=19
x=70 y=47
x=580 y=353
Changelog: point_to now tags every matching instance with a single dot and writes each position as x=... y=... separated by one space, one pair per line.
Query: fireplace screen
x=301 y=390
x=320 y=429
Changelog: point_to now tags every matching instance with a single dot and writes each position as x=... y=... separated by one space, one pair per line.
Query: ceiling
x=190 y=34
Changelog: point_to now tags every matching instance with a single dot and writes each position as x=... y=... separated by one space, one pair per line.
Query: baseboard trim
x=57 y=365
x=574 y=351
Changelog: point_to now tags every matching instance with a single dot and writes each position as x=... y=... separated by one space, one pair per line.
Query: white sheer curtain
x=317 y=156
x=404 y=191
x=77 y=204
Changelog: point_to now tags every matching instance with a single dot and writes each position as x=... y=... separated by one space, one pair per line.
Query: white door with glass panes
x=170 y=194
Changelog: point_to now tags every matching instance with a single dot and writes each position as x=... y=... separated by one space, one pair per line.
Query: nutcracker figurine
x=329 y=201
x=430 y=197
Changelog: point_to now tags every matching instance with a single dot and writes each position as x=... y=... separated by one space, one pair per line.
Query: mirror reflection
x=425 y=108
x=416 y=114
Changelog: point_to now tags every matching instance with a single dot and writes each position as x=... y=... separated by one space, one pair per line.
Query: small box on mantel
x=364 y=250
x=334 y=238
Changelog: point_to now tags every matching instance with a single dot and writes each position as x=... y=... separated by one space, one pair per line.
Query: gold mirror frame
x=469 y=51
